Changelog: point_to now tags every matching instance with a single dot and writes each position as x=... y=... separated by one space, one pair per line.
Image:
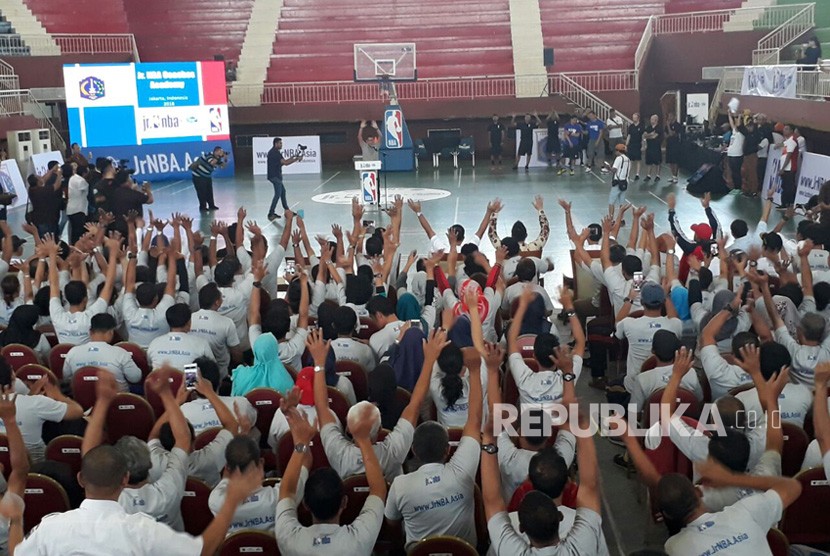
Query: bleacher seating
x=314 y=43
x=80 y=16
x=685 y=6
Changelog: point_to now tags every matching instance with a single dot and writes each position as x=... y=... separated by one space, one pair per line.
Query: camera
x=302 y=148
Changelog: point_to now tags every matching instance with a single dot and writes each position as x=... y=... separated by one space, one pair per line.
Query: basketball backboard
x=385 y=62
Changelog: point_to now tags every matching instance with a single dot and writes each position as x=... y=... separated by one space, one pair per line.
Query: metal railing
x=70 y=43
x=582 y=97
x=8 y=78
x=811 y=84
x=769 y=47
x=608 y=80
x=20 y=102
x=642 y=49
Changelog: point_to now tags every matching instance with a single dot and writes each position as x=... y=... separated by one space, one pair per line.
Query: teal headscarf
x=266 y=372
x=408 y=308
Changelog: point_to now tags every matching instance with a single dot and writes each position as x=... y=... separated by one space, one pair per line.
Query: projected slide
x=112 y=105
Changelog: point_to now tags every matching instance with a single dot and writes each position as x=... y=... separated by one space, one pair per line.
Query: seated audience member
x=742 y=239
x=344 y=456
x=301 y=397
x=72 y=325
x=179 y=347
x=199 y=411
x=406 y=356
x=144 y=313
x=640 y=331
x=236 y=296
x=526 y=273
x=665 y=344
x=437 y=243
x=162 y=498
x=383 y=393
x=704 y=234
x=21 y=330
x=821 y=416
x=205 y=463
x=546 y=385
x=266 y=372
x=724 y=300
x=722 y=375
x=15 y=487
x=257 y=511
x=438 y=478
x=540 y=519
x=382 y=311
x=98 y=352
x=324 y=497
x=347 y=348
x=45 y=402
x=218 y=330
x=519 y=231
x=408 y=309
x=450 y=387
x=104 y=475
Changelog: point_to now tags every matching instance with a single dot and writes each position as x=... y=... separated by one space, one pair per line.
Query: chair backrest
x=649 y=364
x=17 y=355
x=32 y=372
x=286 y=447
x=402 y=396
x=356 y=489
x=48 y=332
x=367 y=328
x=266 y=402
x=43 y=496
x=195 y=510
x=443 y=545
x=338 y=403
x=5 y=456
x=357 y=376
x=176 y=379
x=778 y=543
x=454 y=435
x=244 y=543
x=66 y=448
x=525 y=344
x=205 y=437
x=795 y=446
x=57 y=355
x=83 y=386
x=129 y=415
x=583 y=281
x=803 y=522
x=667 y=458
x=510 y=392
x=683 y=396
x=139 y=356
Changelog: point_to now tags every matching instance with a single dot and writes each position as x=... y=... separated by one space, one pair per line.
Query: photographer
x=127 y=197
x=201 y=171
x=275 y=163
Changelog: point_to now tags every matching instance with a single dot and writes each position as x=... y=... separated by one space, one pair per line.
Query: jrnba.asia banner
x=169 y=161
x=770 y=81
x=814 y=170
x=312 y=162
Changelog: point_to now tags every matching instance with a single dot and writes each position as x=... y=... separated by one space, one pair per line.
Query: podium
x=367 y=173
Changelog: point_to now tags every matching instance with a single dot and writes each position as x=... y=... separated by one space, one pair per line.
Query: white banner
x=539 y=158
x=770 y=81
x=312 y=163
x=771 y=178
x=814 y=171
x=38 y=164
x=12 y=182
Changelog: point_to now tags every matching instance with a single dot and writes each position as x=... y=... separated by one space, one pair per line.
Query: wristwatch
x=627 y=300
x=319 y=369
x=670 y=252
x=257 y=284
x=569 y=314
x=490 y=448
x=568 y=377
x=301 y=448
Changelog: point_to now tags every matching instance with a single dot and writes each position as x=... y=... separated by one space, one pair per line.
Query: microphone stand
x=385 y=184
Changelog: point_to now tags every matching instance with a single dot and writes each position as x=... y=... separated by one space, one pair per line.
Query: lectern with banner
x=367 y=174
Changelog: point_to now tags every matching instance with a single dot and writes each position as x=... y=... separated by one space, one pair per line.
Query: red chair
x=176 y=379
x=367 y=328
x=510 y=392
x=338 y=403
x=443 y=545
x=454 y=434
x=795 y=446
x=195 y=510
x=286 y=447
x=5 y=456
x=402 y=396
x=49 y=332
x=266 y=402
x=667 y=458
x=205 y=437
x=683 y=396
x=778 y=543
x=525 y=344
x=66 y=448
x=244 y=543
x=129 y=415
x=83 y=386
x=56 y=358
x=18 y=355
x=43 y=496
x=649 y=364
x=358 y=377
x=568 y=495
x=31 y=373
x=139 y=356
x=356 y=489
x=805 y=520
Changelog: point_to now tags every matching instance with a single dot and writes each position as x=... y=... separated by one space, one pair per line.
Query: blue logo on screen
x=92 y=88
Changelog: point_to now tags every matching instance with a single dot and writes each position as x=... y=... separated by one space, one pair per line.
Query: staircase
x=255 y=57
x=528 y=60
x=38 y=42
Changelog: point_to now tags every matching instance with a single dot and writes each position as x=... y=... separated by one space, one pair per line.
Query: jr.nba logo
x=369 y=185
x=393 y=128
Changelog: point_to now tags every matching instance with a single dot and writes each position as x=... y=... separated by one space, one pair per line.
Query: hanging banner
x=771 y=177
x=12 y=182
x=814 y=171
x=770 y=81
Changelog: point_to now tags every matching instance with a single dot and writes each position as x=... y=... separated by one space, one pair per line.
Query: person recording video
x=275 y=163
x=201 y=171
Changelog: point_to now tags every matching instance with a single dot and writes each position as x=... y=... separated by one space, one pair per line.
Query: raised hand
x=317 y=347
x=671 y=201
x=538 y=202
x=301 y=431
x=106 y=388
x=241 y=214
x=253 y=228
x=337 y=231
x=414 y=205
x=750 y=360
x=683 y=360
x=436 y=343
x=494 y=206
x=493 y=355
x=8 y=409
x=566 y=205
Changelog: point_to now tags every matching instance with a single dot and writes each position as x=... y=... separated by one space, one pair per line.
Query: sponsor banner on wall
x=771 y=178
x=770 y=81
x=168 y=161
x=312 y=162
x=12 y=182
x=814 y=171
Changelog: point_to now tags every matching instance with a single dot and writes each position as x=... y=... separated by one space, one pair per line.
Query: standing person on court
x=654 y=140
x=369 y=146
x=735 y=150
x=275 y=163
x=525 y=128
x=496 y=130
x=674 y=138
x=553 y=145
x=634 y=142
x=201 y=172
x=619 y=178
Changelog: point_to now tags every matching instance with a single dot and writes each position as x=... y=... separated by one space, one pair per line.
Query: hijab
x=680 y=300
x=383 y=393
x=408 y=358
x=461 y=333
x=266 y=372
x=534 y=319
x=21 y=328
x=408 y=308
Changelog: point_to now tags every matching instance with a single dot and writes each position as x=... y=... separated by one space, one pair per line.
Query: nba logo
x=216 y=120
x=393 y=128
x=369 y=186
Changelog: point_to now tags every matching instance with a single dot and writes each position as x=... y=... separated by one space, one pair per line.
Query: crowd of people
x=436 y=350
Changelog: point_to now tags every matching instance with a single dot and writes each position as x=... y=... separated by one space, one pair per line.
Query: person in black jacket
x=275 y=163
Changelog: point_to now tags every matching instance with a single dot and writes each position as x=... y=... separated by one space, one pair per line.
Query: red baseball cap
x=702 y=231
x=305 y=382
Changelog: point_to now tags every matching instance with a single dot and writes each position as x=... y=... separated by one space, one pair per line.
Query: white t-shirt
x=805 y=358
x=32 y=412
x=540 y=387
x=619 y=287
x=324 y=539
x=456 y=414
x=145 y=324
x=717 y=499
x=515 y=290
x=583 y=537
x=621 y=167
x=790 y=146
x=739 y=529
x=345 y=458
x=383 y=339
x=77 y=198
x=648 y=382
x=349 y=349
x=100 y=354
x=205 y=464
x=161 y=499
x=640 y=333
x=514 y=462
x=177 y=349
x=793 y=403
x=220 y=333
x=721 y=375
x=617 y=132
x=279 y=425
x=437 y=499
x=73 y=328
x=736 y=144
